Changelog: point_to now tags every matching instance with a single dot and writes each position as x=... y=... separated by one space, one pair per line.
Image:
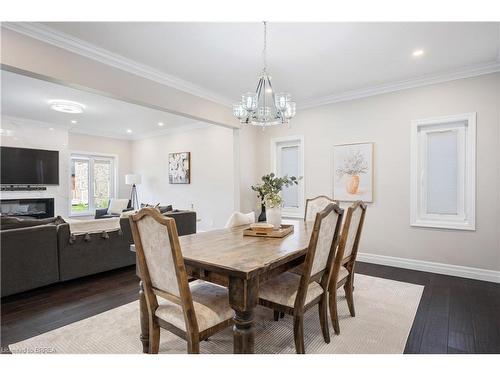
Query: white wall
x=102 y=146
x=31 y=134
x=385 y=120
x=211 y=191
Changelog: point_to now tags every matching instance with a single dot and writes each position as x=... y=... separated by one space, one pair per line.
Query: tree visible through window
x=91 y=177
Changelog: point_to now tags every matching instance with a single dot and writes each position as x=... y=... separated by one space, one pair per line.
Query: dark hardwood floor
x=455 y=315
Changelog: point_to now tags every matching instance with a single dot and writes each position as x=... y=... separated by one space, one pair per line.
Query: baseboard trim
x=441 y=268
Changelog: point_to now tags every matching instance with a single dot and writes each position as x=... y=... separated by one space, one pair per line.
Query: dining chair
x=193 y=311
x=239 y=218
x=315 y=205
x=294 y=294
x=345 y=259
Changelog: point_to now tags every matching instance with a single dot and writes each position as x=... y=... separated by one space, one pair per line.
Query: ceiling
x=28 y=98
x=310 y=60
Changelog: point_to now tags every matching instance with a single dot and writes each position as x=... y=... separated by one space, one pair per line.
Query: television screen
x=26 y=166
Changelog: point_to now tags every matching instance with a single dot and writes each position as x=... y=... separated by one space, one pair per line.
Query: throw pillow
x=164 y=209
x=116 y=206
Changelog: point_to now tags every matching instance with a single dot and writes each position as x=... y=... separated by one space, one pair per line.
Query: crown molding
x=70 y=43
x=83 y=48
x=471 y=71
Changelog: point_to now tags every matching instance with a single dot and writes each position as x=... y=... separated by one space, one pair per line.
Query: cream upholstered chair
x=315 y=205
x=294 y=294
x=191 y=311
x=345 y=258
x=238 y=218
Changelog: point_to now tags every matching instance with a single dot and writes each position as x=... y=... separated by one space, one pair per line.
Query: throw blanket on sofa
x=93 y=226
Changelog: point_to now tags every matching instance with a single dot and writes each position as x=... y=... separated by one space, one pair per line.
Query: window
x=92 y=183
x=287 y=160
x=443 y=172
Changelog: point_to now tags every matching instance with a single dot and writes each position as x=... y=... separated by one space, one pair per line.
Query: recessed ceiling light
x=129 y=131
x=74 y=121
x=66 y=106
x=51 y=129
x=418 y=52
x=161 y=124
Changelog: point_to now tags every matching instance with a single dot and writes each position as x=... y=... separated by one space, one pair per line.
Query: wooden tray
x=285 y=230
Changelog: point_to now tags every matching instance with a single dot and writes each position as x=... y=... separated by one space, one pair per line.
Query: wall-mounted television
x=26 y=166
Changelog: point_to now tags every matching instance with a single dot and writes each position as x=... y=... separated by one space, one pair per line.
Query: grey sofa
x=36 y=256
x=29 y=258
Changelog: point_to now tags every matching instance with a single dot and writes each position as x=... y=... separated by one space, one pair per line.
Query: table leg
x=144 y=337
x=243 y=297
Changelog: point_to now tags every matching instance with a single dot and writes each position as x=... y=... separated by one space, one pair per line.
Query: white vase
x=273 y=216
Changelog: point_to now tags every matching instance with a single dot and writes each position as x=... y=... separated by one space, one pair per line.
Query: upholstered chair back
x=156 y=244
x=352 y=228
x=315 y=205
x=239 y=218
x=328 y=220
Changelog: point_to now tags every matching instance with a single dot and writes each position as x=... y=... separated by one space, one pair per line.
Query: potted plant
x=269 y=192
x=354 y=165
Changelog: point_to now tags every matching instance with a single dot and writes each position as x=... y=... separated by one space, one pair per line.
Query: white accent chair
x=239 y=218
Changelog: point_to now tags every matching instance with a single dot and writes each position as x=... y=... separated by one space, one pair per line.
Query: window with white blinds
x=443 y=172
x=287 y=160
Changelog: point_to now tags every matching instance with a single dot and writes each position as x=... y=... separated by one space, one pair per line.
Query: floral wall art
x=353 y=172
x=179 y=168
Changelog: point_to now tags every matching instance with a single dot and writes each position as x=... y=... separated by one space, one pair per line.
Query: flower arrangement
x=269 y=191
x=354 y=165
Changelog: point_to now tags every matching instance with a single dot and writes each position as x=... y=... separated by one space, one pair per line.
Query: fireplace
x=38 y=208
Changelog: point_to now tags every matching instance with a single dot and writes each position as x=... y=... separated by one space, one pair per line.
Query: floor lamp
x=133 y=179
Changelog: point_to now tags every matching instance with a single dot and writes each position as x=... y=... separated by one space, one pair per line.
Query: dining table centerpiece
x=269 y=193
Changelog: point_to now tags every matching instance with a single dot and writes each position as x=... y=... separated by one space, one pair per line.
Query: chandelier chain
x=264 y=51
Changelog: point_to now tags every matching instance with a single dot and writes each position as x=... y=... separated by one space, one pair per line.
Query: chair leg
x=298 y=333
x=323 y=318
x=276 y=315
x=333 y=309
x=154 y=336
x=282 y=315
x=193 y=345
x=349 y=287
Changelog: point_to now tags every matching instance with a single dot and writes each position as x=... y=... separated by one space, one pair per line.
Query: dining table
x=241 y=263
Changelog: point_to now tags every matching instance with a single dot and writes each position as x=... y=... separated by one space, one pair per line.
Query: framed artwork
x=179 y=168
x=353 y=172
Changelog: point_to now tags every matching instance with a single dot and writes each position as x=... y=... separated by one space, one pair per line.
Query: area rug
x=385 y=310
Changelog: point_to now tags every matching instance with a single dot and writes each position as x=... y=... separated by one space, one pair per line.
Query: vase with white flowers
x=269 y=192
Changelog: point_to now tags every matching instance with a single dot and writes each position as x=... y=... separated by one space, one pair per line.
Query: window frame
x=465 y=219
x=92 y=157
x=290 y=212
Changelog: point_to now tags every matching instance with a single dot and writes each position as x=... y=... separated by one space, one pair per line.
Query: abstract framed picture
x=179 y=168
x=353 y=172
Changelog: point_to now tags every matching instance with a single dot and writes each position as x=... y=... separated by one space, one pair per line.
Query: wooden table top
x=244 y=256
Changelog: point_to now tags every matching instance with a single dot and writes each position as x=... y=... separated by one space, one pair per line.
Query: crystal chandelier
x=264 y=107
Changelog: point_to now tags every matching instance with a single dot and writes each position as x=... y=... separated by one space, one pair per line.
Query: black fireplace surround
x=38 y=208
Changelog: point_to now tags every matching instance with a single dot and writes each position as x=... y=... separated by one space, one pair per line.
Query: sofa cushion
x=12 y=222
x=116 y=206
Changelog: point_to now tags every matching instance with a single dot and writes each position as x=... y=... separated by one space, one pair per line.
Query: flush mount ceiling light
x=129 y=131
x=66 y=106
x=161 y=124
x=74 y=121
x=264 y=107
x=418 y=53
